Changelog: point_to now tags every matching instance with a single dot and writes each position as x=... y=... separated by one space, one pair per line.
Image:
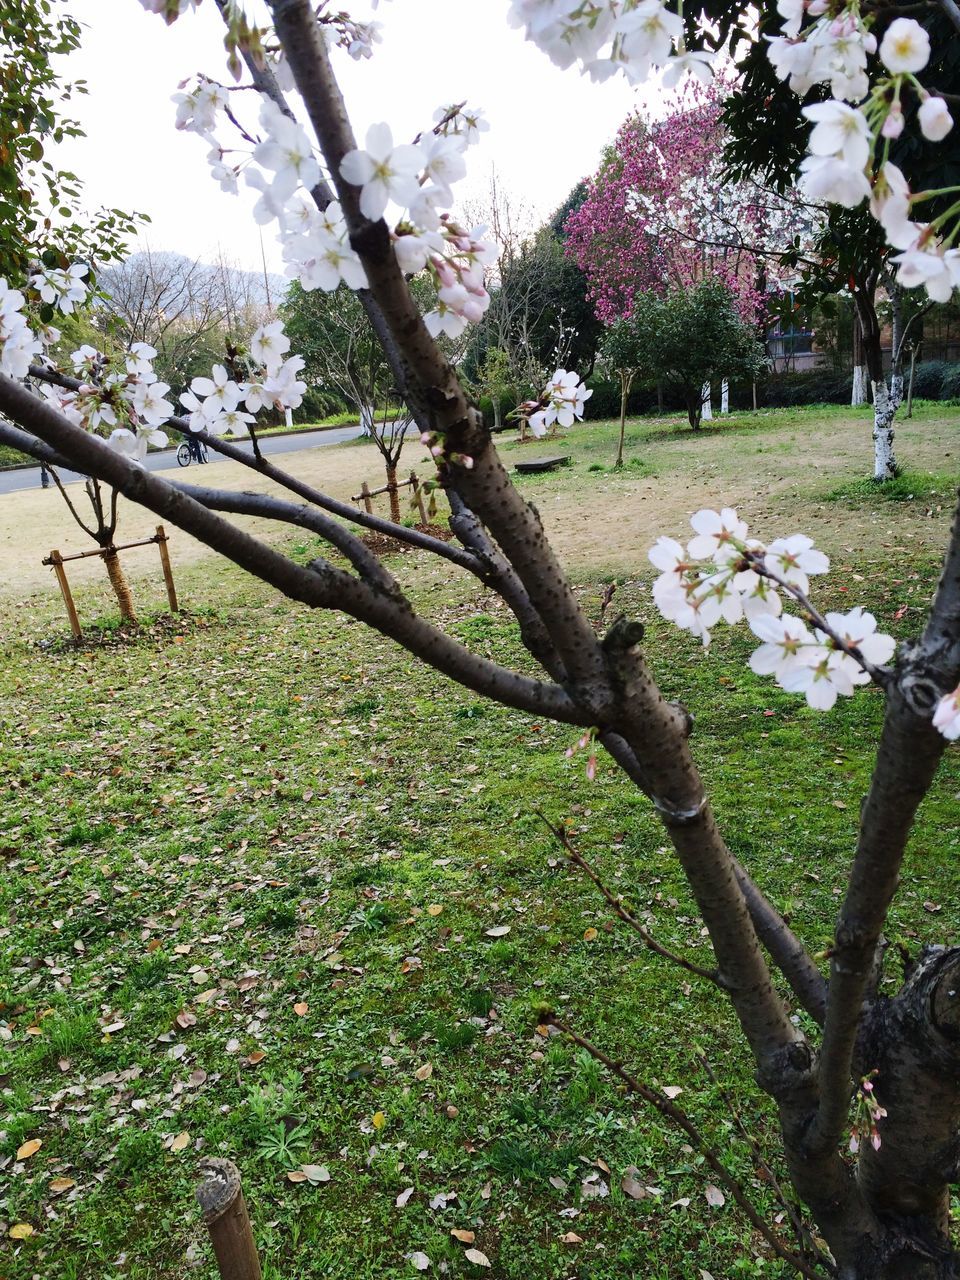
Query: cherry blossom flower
x=133 y=445
x=946 y=717
x=384 y=172
x=820 y=678
x=269 y=344
x=222 y=392
x=928 y=263
x=858 y=629
x=62 y=289
x=443 y=161
x=905 y=47
x=718 y=535
x=287 y=151
x=148 y=401
x=839 y=130
x=934 y=119
x=784 y=639
x=794 y=558
x=236 y=422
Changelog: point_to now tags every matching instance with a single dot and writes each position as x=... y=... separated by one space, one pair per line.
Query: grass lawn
x=254 y=855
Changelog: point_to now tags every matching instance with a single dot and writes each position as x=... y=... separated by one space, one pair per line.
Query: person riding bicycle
x=195 y=446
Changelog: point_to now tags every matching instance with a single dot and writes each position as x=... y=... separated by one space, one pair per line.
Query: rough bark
x=120 y=585
x=861 y=383
x=886 y=401
x=394 y=495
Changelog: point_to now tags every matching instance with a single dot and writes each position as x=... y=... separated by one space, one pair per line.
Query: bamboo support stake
x=418 y=496
x=367 y=500
x=57 y=561
x=167 y=570
x=220 y=1197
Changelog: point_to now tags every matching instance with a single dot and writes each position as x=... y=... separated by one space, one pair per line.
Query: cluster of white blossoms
x=562 y=403
x=221 y=405
x=725 y=575
x=61 y=289
x=409 y=183
x=130 y=399
x=635 y=37
x=19 y=345
x=819 y=44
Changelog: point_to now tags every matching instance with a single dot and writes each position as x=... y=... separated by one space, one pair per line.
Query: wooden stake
x=418 y=495
x=220 y=1197
x=57 y=561
x=367 y=500
x=167 y=570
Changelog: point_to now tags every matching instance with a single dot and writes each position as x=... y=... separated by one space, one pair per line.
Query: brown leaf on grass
x=29 y=1149
x=465 y=1237
x=296 y=1175
x=498 y=931
x=258 y=1055
x=631 y=1186
x=59 y=1185
x=185 y=1019
x=571 y=1237
x=301 y=1009
x=434 y=909
x=180 y=1142
x=672 y=1091
x=21 y=1231
x=424 y=1072
x=418 y=1260
x=590 y=934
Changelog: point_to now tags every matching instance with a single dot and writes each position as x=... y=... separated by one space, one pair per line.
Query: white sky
x=547 y=127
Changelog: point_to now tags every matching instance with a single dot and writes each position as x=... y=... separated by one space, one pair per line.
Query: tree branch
x=907 y=760
x=670 y=1111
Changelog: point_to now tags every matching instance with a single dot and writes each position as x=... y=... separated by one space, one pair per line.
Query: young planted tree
x=628 y=350
x=693 y=337
x=882 y=1211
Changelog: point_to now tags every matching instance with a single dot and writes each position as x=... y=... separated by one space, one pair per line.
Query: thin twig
x=72 y=509
x=624 y=912
x=670 y=1111
x=802 y=1232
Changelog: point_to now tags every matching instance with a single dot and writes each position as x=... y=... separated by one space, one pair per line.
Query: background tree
x=628 y=351
x=766 y=134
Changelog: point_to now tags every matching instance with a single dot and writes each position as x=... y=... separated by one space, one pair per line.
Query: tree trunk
x=121 y=588
x=860 y=393
x=885 y=405
x=368 y=415
x=625 y=381
x=394 y=495
x=724 y=396
x=495 y=401
x=706 y=411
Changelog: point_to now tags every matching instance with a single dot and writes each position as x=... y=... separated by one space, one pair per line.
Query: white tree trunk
x=885 y=405
x=724 y=396
x=860 y=394
x=368 y=415
x=707 y=410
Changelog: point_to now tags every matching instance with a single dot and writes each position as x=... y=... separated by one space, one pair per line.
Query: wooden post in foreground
x=367 y=500
x=220 y=1197
x=56 y=560
x=418 y=495
x=167 y=570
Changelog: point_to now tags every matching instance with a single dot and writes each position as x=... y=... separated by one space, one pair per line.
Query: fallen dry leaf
x=672 y=1091
x=498 y=931
x=465 y=1237
x=631 y=1186
x=434 y=909
x=180 y=1142
x=418 y=1260
x=59 y=1185
x=301 y=1009
x=29 y=1148
x=296 y=1175
x=21 y=1231
x=477 y=1258
x=424 y=1072
x=590 y=934
x=378 y=1120
x=315 y=1173
x=258 y=1055
x=571 y=1237
x=715 y=1196
x=403 y=1197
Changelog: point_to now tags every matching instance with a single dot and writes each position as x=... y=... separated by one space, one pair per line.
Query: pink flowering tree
x=661 y=214
x=830 y=1051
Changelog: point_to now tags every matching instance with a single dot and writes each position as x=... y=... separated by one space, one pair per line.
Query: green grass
x=259 y=808
x=908 y=486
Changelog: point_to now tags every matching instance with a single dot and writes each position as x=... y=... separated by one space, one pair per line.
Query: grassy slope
x=255 y=808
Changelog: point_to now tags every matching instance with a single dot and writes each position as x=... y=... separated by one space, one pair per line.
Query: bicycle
x=185 y=453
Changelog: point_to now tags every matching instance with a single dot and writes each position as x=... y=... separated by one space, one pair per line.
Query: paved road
x=29 y=477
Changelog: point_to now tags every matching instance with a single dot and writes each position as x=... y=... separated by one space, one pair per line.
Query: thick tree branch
x=907 y=760
x=321 y=585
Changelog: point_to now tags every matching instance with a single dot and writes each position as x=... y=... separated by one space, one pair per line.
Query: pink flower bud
x=893 y=125
x=591 y=768
x=935 y=119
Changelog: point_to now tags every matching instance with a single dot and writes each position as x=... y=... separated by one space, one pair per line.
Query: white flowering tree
x=371 y=216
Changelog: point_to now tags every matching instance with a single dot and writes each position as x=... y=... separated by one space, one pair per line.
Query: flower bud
x=935 y=119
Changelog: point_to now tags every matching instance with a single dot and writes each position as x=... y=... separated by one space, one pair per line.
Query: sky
x=547 y=127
